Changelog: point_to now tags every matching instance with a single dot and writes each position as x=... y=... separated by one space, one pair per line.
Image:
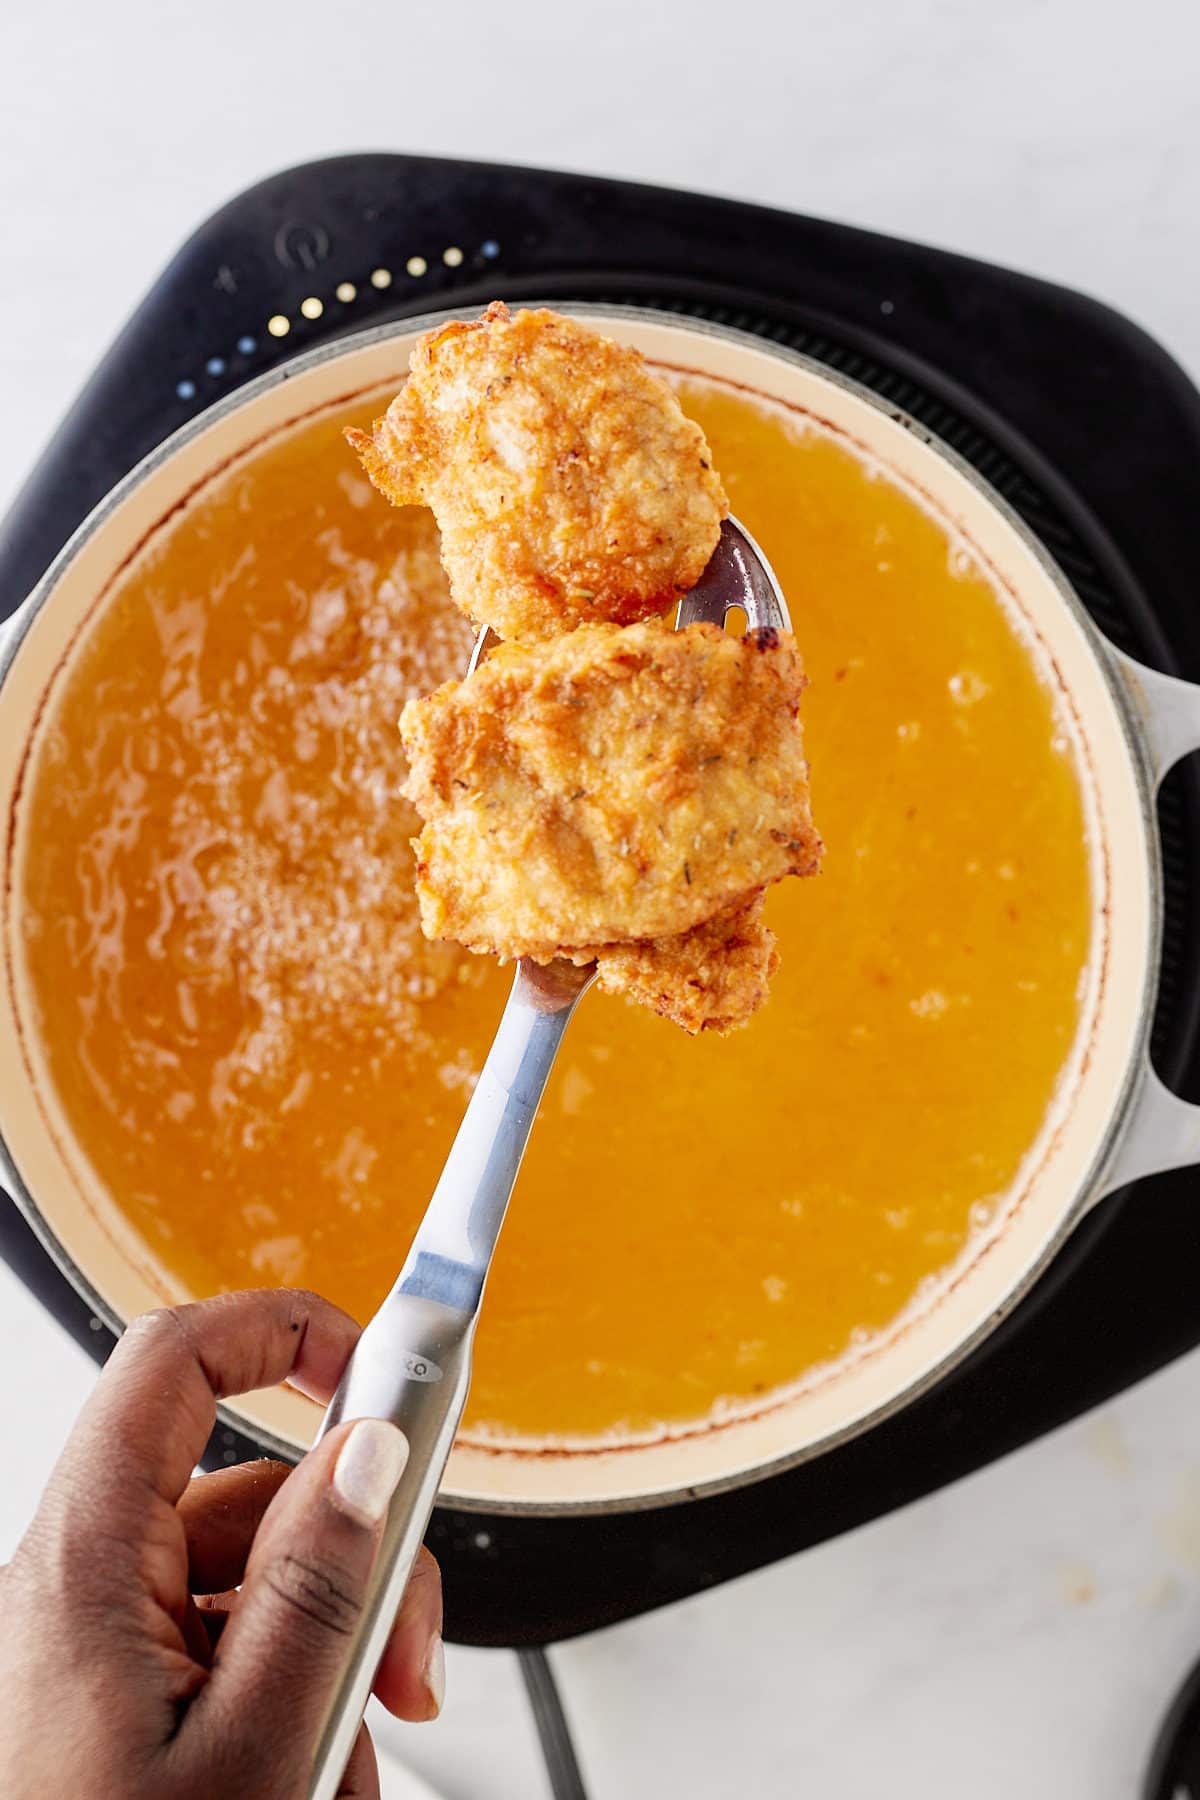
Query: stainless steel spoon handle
x=411 y=1365
x=413 y=1362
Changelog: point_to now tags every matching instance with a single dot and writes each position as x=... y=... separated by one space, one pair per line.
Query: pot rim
x=1137 y=749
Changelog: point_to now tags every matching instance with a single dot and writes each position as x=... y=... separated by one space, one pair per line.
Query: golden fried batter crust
x=613 y=784
x=712 y=978
x=567 y=483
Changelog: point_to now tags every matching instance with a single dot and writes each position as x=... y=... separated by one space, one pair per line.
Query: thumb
x=303 y=1592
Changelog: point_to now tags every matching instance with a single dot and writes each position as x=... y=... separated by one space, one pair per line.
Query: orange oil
x=265 y=1063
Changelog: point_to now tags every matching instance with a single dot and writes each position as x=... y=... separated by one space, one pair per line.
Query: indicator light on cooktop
x=489 y=248
x=312 y=308
x=452 y=257
x=346 y=292
x=186 y=390
x=278 y=325
x=215 y=365
x=416 y=265
x=247 y=345
x=381 y=278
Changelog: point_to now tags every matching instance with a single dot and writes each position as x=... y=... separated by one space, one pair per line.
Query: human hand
x=130 y=1669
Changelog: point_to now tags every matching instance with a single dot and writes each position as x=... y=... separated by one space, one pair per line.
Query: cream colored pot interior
x=1063 y=1170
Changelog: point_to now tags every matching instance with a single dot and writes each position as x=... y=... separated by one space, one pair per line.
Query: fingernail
x=435 y=1673
x=369 y=1465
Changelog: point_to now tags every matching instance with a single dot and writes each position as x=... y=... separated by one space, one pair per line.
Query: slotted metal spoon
x=412 y=1364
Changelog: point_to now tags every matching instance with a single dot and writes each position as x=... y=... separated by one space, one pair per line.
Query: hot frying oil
x=266 y=1063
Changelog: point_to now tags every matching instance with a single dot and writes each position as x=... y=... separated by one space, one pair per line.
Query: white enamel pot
x=1112 y=1120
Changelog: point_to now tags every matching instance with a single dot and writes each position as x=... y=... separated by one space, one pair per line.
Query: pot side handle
x=1166 y=708
x=1161 y=1131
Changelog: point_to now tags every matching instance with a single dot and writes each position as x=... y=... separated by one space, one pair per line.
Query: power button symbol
x=301 y=246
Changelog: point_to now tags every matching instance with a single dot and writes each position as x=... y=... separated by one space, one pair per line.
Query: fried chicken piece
x=567 y=483
x=614 y=784
x=712 y=978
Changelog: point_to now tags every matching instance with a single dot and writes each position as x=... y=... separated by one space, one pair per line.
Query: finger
x=197 y=1640
x=285 y=1643
x=157 y=1396
x=221 y=1513
x=412 y=1675
x=213 y=1612
x=411 y=1680
x=361 y=1780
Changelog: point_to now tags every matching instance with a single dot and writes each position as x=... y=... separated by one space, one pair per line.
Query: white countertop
x=1023 y=1630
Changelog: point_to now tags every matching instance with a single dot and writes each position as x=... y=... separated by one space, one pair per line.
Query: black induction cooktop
x=1082 y=422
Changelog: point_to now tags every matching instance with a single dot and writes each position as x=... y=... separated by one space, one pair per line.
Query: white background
x=1022 y=1631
